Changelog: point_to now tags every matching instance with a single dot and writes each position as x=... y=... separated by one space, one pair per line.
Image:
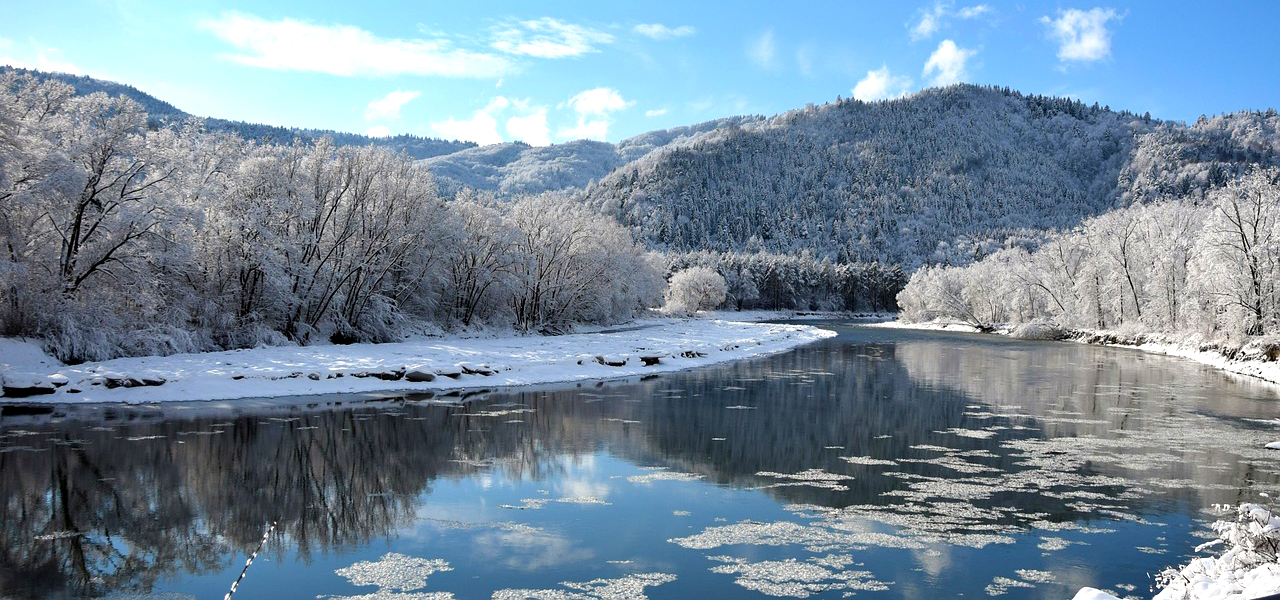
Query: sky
x=543 y=72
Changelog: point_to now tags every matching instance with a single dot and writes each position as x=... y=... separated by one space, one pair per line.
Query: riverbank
x=1259 y=359
x=640 y=348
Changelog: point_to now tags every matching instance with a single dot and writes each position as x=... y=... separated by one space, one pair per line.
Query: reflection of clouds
x=528 y=550
x=585 y=463
x=934 y=560
x=579 y=488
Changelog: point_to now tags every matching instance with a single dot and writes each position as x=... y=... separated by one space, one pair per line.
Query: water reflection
x=868 y=447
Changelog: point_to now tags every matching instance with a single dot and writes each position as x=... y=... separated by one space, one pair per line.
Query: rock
x=314 y=377
x=23 y=385
x=649 y=361
x=128 y=382
x=25 y=391
x=612 y=361
x=419 y=376
x=692 y=354
x=477 y=370
x=450 y=374
x=389 y=375
x=151 y=380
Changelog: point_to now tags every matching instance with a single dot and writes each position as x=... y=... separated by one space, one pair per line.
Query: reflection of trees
x=194 y=498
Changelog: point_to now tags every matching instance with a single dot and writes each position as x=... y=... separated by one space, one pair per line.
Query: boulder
x=419 y=376
x=612 y=361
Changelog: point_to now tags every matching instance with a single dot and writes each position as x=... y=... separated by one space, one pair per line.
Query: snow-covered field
x=643 y=348
x=1261 y=369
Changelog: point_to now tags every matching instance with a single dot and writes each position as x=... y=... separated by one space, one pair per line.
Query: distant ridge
x=163 y=113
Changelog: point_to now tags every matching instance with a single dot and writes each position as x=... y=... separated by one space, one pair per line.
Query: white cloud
x=881 y=84
x=930 y=20
x=481 y=128
x=657 y=112
x=548 y=38
x=378 y=131
x=530 y=129
x=763 y=51
x=597 y=103
x=1082 y=35
x=498 y=103
x=948 y=63
x=933 y=18
x=586 y=130
x=389 y=106
x=289 y=45
x=658 y=31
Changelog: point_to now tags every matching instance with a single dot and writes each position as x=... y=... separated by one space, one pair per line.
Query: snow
x=1089 y=593
x=455 y=363
x=1273 y=446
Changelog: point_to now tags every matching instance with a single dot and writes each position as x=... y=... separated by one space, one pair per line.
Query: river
x=878 y=463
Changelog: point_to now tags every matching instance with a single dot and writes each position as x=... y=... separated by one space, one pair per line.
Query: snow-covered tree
x=694 y=289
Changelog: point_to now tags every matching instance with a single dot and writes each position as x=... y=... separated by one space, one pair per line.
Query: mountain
x=942 y=176
x=947 y=175
x=162 y=113
x=518 y=168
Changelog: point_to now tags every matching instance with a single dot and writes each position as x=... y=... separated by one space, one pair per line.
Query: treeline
x=120 y=240
x=768 y=281
x=1205 y=268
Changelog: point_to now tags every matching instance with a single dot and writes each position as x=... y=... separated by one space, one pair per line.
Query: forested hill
x=940 y=176
x=162 y=113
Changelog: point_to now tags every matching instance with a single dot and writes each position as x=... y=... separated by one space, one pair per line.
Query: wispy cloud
x=289 y=45
x=388 y=107
x=763 y=51
x=948 y=63
x=593 y=108
x=548 y=38
x=933 y=18
x=658 y=31
x=881 y=84
x=1082 y=35
x=656 y=112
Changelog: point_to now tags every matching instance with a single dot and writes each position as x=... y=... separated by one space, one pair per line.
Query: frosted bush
x=695 y=289
x=1247 y=569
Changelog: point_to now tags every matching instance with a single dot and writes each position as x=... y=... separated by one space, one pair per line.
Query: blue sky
x=547 y=73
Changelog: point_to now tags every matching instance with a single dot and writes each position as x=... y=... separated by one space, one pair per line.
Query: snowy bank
x=1254 y=359
x=1247 y=569
x=429 y=364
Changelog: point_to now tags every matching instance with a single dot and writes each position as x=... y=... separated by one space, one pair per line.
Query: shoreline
x=1264 y=370
x=437 y=364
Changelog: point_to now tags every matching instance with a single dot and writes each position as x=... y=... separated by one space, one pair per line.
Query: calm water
x=885 y=464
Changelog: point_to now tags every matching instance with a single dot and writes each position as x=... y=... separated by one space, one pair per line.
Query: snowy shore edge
x=660 y=346
x=1252 y=365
